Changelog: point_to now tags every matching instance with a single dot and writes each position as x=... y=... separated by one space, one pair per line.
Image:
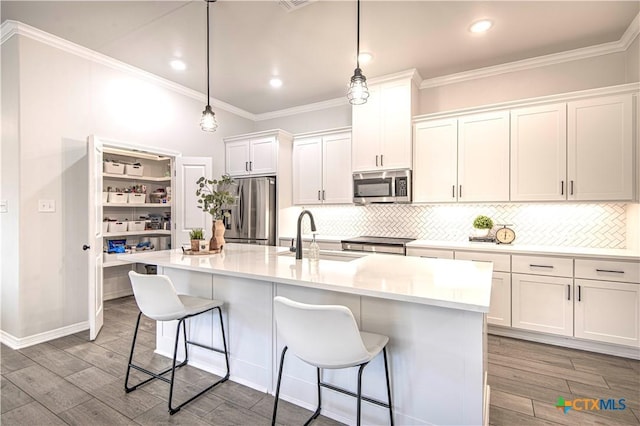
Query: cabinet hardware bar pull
x=571 y=188
x=579 y=293
x=250 y=165
x=568 y=291
x=460 y=192
x=376 y=161
x=323 y=195
x=610 y=270
x=246 y=166
x=381 y=160
x=319 y=195
x=540 y=266
x=453 y=191
x=561 y=187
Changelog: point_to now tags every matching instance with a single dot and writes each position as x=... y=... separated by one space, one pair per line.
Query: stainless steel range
x=387 y=245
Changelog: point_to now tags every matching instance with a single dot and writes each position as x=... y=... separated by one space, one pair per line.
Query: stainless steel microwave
x=392 y=186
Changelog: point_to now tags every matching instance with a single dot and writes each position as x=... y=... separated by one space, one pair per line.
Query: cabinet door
x=337 y=181
x=395 y=152
x=600 y=148
x=430 y=253
x=608 y=311
x=263 y=159
x=500 y=305
x=483 y=157
x=366 y=133
x=539 y=153
x=307 y=171
x=237 y=158
x=542 y=303
x=435 y=166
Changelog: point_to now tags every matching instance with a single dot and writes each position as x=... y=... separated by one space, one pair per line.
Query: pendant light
x=208 y=121
x=358 y=92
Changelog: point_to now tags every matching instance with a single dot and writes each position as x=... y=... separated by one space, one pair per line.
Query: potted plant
x=213 y=196
x=196 y=235
x=482 y=225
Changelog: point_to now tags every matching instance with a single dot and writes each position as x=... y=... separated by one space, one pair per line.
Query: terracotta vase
x=217 y=241
x=195 y=245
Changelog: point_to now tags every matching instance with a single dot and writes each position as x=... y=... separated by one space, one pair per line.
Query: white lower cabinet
x=608 y=311
x=542 y=303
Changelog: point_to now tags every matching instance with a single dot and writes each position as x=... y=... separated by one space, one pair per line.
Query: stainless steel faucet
x=299 y=236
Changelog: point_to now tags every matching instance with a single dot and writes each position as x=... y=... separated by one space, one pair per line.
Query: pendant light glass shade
x=208 y=121
x=358 y=92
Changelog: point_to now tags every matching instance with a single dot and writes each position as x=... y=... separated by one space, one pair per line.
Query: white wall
x=9 y=180
x=324 y=119
x=633 y=61
x=62 y=99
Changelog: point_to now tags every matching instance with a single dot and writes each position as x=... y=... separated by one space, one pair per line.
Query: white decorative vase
x=480 y=232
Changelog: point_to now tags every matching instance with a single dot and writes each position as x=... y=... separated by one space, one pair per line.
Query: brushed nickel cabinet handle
x=610 y=271
x=541 y=266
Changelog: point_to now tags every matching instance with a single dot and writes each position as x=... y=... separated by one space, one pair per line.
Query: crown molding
x=10 y=28
x=317 y=106
x=278 y=133
x=541 y=61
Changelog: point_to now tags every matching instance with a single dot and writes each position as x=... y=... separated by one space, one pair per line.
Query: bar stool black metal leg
x=386 y=373
x=275 y=402
x=359 y=393
x=173 y=368
x=133 y=345
x=317 y=412
x=224 y=343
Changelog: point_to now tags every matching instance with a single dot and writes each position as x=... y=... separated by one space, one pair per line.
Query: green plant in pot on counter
x=213 y=196
x=195 y=235
x=482 y=225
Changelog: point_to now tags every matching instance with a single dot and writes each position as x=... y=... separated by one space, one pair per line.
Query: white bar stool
x=157 y=299
x=327 y=336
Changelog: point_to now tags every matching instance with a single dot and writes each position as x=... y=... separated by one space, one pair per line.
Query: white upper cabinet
x=539 y=153
x=435 y=163
x=322 y=169
x=254 y=156
x=483 y=157
x=382 y=127
x=600 y=148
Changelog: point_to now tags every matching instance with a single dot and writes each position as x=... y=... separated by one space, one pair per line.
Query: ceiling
x=312 y=48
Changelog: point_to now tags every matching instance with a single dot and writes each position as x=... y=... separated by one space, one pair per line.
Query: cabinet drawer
x=608 y=270
x=430 y=253
x=542 y=265
x=501 y=262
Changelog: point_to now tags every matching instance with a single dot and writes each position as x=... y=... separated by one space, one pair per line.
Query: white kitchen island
x=433 y=310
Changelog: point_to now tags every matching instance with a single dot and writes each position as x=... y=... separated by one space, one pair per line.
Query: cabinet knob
x=85 y=247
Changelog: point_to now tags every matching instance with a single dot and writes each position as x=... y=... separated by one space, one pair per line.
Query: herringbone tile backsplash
x=576 y=225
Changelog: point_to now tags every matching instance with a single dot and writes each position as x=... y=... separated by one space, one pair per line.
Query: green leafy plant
x=196 y=234
x=213 y=195
x=483 y=222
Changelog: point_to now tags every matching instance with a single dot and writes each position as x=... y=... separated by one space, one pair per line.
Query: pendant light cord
x=358 y=38
x=208 y=77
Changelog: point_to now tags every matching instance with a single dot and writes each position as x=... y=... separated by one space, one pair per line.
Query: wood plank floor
x=73 y=381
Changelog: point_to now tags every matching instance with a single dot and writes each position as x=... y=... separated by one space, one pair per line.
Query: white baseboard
x=23 y=342
x=566 y=342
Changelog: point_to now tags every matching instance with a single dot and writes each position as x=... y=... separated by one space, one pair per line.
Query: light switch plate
x=4 y=206
x=47 y=206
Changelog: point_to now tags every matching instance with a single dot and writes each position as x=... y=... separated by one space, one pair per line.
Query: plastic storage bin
x=136 y=198
x=114 y=168
x=117 y=226
x=137 y=225
x=133 y=169
x=117 y=197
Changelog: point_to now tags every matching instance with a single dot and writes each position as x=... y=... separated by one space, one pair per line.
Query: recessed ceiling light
x=275 y=82
x=365 y=57
x=178 y=65
x=481 y=26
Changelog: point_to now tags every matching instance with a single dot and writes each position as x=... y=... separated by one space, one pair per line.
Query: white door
x=396 y=125
x=483 y=157
x=366 y=133
x=337 y=181
x=187 y=214
x=435 y=165
x=539 y=153
x=307 y=171
x=600 y=148
x=542 y=303
x=237 y=158
x=608 y=311
x=94 y=246
x=263 y=158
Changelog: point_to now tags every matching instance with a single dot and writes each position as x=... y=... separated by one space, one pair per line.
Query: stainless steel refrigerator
x=252 y=218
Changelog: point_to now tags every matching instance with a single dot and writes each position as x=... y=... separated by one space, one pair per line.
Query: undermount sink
x=336 y=256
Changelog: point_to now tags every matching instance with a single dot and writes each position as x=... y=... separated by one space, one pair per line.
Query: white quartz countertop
x=456 y=284
x=584 y=252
